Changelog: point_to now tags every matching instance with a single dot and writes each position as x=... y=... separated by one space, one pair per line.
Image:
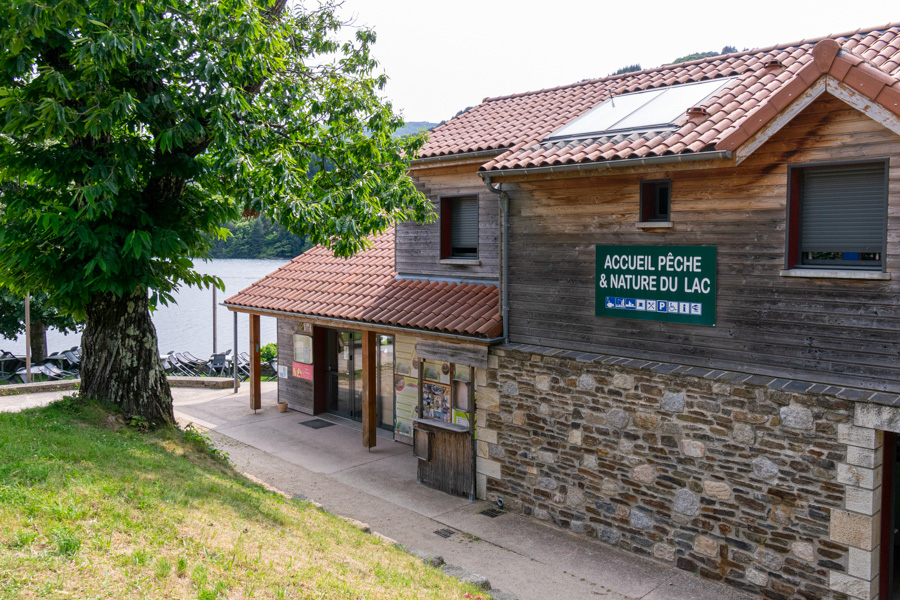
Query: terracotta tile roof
x=364 y=288
x=766 y=80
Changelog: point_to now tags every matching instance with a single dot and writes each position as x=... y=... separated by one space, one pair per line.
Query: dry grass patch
x=88 y=511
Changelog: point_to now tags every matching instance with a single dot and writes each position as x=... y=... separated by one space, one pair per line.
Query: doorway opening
x=890 y=519
x=343 y=376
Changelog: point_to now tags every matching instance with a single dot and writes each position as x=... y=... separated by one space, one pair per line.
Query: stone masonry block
x=490 y=468
x=858 y=476
x=672 y=402
x=797 y=417
x=707 y=546
x=864 y=457
x=480 y=419
x=852 y=586
x=488 y=399
x=623 y=381
x=493 y=361
x=487 y=435
x=852 y=529
x=644 y=473
x=586 y=383
x=693 y=448
x=863 y=563
x=575 y=437
x=664 y=552
x=863 y=501
x=481 y=486
x=744 y=434
x=804 y=551
x=718 y=490
x=617 y=418
x=482 y=449
x=877 y=416
x=757 y=577
x=480 y=377
x=859 y=436
x=542 y=383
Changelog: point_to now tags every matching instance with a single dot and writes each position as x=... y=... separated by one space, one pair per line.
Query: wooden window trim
x=793 y=261
x=649 y=212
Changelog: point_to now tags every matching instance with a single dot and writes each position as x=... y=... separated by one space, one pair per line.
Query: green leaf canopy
x=132 y=131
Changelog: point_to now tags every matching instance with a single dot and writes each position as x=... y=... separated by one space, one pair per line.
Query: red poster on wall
x=303 y=371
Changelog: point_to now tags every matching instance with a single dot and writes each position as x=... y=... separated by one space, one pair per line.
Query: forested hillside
x=259 y=238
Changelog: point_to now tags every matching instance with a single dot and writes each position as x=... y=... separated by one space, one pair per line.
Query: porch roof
x=365 y=288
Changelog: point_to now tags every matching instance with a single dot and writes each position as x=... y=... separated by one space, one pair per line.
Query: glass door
x=345 y=395
x=344 y=381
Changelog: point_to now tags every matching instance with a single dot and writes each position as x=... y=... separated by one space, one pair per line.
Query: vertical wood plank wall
x=297 y=392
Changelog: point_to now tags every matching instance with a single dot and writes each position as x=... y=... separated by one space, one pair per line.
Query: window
x=837 y=215
x=459 y=227
x=641 y=111
x=656 y=196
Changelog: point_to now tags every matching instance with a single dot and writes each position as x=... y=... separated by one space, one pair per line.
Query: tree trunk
x=121 y=357
x=38 y=342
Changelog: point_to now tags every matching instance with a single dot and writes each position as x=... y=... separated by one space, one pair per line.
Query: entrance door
x=345 y=374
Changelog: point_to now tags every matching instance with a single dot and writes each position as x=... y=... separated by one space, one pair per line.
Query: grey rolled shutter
x=464 y=226
x=843 y=209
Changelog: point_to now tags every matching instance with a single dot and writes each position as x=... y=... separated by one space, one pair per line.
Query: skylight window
x=640 y=111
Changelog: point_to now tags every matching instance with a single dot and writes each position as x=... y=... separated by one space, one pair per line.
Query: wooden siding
x=843 y=332
x=298 y=393
x=418 y=247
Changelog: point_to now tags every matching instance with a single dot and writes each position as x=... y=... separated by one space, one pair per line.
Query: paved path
x=518 y=555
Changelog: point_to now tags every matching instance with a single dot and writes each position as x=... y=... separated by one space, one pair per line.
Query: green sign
x=676 y=284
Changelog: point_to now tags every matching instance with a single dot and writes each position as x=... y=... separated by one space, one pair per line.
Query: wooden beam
x=369 y=387
x=255 y=388
x=469 y=355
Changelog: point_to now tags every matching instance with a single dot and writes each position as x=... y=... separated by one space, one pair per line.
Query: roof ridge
x=797 y=44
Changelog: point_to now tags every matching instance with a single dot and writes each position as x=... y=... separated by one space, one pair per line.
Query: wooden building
x=696 y=268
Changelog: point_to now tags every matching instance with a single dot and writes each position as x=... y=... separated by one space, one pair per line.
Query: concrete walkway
x=518 y=555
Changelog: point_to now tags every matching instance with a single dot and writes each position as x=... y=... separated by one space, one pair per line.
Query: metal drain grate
x=492 y=513
x=444 y=533
x=316 y=423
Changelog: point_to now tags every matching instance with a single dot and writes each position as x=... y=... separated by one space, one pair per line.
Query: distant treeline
x=259 y=238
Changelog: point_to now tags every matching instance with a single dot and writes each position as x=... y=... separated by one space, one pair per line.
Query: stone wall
x=770 y=490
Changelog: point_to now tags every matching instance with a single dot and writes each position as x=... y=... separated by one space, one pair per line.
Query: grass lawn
x=90 y=508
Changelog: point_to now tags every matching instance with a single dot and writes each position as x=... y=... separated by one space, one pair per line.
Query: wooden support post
x=255 y=379
x=369 y=387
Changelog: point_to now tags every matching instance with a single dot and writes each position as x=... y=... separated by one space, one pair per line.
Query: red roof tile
x=365 y=288
x=766 y=80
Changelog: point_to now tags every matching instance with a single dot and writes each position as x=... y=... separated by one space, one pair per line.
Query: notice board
x=674 y=284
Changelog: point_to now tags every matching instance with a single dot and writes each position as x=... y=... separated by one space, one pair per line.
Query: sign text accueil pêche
x=660 y=283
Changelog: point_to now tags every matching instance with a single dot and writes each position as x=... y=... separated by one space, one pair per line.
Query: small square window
x=656 y=200
x=459 y=227
x=837 y=215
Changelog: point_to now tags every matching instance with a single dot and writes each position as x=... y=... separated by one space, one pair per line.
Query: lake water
x=187 y=325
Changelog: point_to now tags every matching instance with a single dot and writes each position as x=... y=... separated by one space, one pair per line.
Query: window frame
x=446 y=227
x=651 y=214
x=792 y=256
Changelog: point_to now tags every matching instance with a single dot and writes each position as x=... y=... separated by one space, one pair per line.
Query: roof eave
x=610 y=164
x=266 y=312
